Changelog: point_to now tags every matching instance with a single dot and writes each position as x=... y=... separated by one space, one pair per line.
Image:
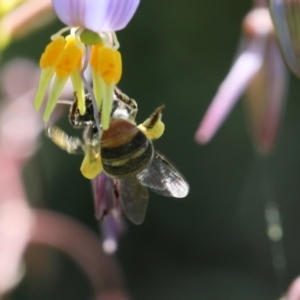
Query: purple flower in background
x=258 y=71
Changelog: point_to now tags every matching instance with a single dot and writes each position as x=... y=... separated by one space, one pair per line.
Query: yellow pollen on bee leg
x=153 y=127
x=91 y=165
x=153 y=133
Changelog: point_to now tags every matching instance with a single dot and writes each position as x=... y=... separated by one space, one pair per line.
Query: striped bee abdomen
x=125 y=150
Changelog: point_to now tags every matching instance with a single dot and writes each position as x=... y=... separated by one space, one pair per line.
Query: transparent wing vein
x=163 y=178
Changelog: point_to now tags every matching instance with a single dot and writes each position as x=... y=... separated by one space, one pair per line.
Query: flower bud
x=286 y=19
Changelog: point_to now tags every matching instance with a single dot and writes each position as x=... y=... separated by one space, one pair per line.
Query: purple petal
x=108 y=211
x=103 y=191
x=112 y=228
x=286 y=19
x=119 y=13
x=69 y=11
x=96 y=15
x=244 y=68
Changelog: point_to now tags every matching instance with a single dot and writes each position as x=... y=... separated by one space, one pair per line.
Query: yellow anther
x=69 y=59
x=106 y=65
x=52 y=52
x=94 y=55
x=107 y=62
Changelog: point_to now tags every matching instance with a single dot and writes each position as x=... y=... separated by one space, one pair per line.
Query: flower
x=286 y=16
x=62 y=57
x=107 y=195
x=259 y=71
x=92 y=40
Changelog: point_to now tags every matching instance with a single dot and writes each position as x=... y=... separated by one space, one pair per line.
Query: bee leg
x=74 y=106
x=68 y=143
x=131 y=103
x=153 y=127
x=91 y=165
x=73 y=109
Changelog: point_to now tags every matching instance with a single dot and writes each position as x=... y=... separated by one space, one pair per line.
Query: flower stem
x=56 y=230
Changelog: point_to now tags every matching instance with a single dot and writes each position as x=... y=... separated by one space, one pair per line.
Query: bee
x=124 y=152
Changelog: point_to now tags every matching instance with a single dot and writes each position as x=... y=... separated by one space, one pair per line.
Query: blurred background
x=212 y=244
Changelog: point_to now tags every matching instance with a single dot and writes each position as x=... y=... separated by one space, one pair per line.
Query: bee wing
x=134 y=199
x=163 y=178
